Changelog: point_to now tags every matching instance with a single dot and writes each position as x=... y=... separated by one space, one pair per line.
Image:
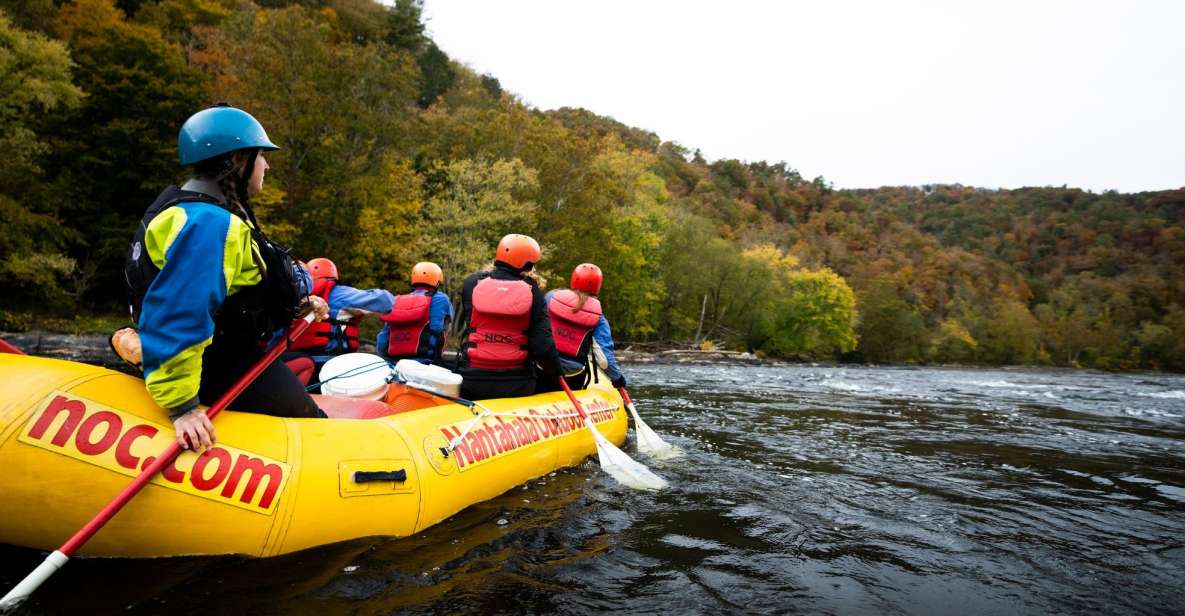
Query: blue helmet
x=217 y=131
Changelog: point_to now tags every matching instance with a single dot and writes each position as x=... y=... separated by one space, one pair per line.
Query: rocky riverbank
x=94 y=349
x=630 y=355
x=91 y=349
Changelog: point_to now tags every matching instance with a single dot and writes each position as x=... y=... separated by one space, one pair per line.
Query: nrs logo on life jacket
x=570 y=325
x=407 y=325
x=108 y=438
x=498 y=323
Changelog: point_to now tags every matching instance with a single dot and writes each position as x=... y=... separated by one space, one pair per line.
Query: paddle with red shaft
x=8 y=348
x=57 y=558
x=649 y=441
x=613 y=460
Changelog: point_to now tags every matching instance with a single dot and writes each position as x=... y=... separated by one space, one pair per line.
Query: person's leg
x=547 y=382
x=485 y=389
x=301 y=365
x=276 y=391
x=577 y=381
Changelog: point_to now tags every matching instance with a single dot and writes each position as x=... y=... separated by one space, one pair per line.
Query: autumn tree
x=475 y=203
x=35 y=80
x=119 y=148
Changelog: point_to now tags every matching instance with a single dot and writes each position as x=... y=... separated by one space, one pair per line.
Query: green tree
x=35 y=15
x=35 y=80
x=952 y=342
x=177 y=19
x=479 y=202
x=387 y=244
x=116 y=151
x=890 y=329
x=814 y=318
x=339 y=112
x=1011 y=335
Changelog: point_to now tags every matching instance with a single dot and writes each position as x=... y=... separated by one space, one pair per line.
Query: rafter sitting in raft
x=506 y=327
x=581 y=331
x=416 y=327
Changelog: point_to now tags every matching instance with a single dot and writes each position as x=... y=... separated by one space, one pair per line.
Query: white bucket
x=355 y=375
x=432 y=378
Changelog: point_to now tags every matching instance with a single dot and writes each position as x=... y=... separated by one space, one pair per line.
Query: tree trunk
x=702 y=310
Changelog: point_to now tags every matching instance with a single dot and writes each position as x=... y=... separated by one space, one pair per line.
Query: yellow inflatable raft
x=72 y=435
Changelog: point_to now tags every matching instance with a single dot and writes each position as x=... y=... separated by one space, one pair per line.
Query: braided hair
x=232 y=172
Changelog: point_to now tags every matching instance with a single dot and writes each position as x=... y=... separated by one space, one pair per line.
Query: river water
x=801 y=490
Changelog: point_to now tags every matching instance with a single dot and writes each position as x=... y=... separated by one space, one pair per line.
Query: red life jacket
x=570 y=327
x=498 y=324
x=407 y=323
x=317 y=336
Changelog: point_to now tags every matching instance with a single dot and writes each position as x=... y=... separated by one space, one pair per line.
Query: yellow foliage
x=772 y=257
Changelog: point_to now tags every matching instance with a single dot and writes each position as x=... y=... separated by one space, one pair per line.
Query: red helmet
x=587 y=277
x=322 y=270
x=518 y=251
x=427 y=272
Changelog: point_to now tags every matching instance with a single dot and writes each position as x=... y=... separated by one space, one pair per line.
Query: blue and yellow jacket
x=205 y=254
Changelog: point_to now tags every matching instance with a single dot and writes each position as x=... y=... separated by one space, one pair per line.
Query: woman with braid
x=207 y=289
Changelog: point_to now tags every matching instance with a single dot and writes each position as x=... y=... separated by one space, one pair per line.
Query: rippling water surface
x=802 y=489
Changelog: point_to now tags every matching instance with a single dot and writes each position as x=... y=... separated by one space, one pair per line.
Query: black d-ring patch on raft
x=398 y=476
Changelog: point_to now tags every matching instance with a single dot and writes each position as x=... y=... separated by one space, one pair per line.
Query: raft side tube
x=74 y=435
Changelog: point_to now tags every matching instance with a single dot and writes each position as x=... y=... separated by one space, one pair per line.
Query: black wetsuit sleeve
x=541 y=344
x=462 y=323
x=466 y=305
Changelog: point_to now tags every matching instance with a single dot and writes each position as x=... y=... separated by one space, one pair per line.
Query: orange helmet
x=427 y=272
x=322 y=270
x=518 y=251
x=587 y=277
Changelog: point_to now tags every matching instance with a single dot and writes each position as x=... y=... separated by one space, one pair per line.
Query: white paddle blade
x=649 y=442
x=623 y=468
x=36 y=578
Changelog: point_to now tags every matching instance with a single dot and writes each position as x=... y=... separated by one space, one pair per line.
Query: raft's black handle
x=398 y=476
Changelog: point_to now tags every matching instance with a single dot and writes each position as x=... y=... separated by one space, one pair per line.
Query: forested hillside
x=392 y=154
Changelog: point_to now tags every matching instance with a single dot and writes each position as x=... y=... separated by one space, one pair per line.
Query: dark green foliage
x=437 y=74
x=115 y=152
x=36 y=15
x=492 y=85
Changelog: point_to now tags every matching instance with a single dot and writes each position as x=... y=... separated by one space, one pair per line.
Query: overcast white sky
x=866 y=93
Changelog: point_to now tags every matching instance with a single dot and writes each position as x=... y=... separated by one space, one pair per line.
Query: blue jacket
x=346 y=302
x=603 y=337
x=440 y=314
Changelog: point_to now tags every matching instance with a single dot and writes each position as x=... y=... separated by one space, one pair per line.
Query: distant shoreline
x=93 y=349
